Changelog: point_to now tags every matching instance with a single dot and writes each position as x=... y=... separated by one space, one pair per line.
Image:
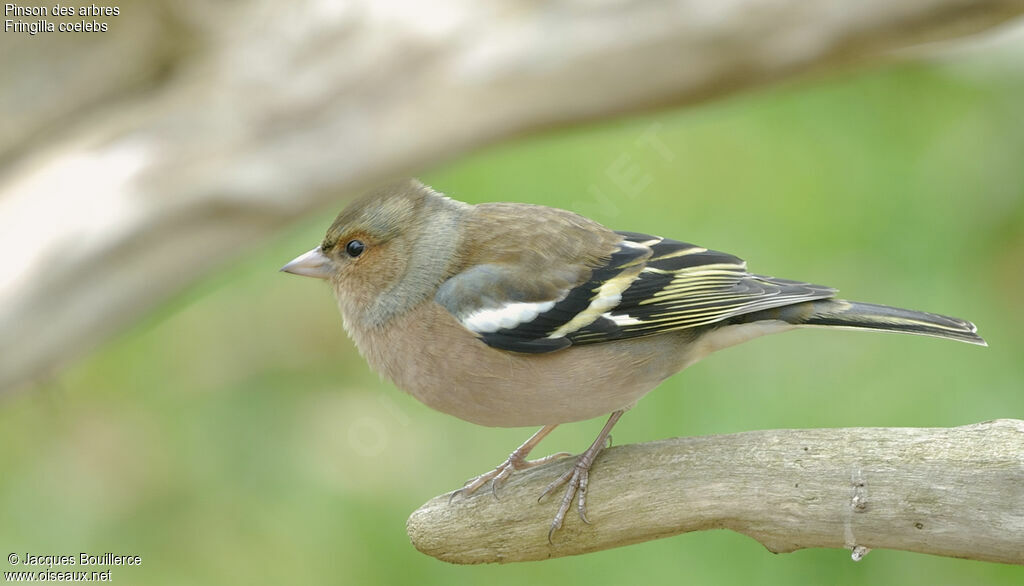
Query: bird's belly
x=510 y=390
x=437 y=361
x=434 y=359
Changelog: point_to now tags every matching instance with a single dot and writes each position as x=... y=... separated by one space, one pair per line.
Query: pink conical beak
x=312 y=264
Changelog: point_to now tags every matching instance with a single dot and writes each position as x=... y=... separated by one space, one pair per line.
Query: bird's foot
x=501 y=474
x=576 y=479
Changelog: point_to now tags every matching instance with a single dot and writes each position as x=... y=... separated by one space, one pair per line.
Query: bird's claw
x=577 y=478
x=500 y=475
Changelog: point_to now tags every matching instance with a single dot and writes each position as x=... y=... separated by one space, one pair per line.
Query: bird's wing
x=686 y=286
x=534 y=311
x=642 y=285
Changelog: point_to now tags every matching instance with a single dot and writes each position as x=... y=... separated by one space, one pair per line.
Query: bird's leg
x=578 y=476
x=516 y=461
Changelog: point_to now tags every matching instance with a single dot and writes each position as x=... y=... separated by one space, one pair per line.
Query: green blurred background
x=237 y=437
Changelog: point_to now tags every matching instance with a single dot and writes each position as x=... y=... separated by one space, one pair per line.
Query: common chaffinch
x=508 y=314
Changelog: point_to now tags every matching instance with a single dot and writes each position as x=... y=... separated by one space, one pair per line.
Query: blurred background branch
x=950 y=492
x=147 y=156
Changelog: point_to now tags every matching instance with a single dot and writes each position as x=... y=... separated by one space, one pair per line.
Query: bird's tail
x=839 y=313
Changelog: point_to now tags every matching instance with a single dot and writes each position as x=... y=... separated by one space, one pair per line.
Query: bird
x=513 y=314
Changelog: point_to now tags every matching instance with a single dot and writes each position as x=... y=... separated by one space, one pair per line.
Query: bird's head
x=385 y=250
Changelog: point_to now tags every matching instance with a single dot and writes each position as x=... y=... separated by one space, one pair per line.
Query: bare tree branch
x=119 y=187
x=955 y=492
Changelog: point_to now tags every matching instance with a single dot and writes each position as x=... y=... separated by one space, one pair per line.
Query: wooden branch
x=955 y=492
x=118 y=188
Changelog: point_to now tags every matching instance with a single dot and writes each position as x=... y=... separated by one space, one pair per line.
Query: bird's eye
x=354 y=248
